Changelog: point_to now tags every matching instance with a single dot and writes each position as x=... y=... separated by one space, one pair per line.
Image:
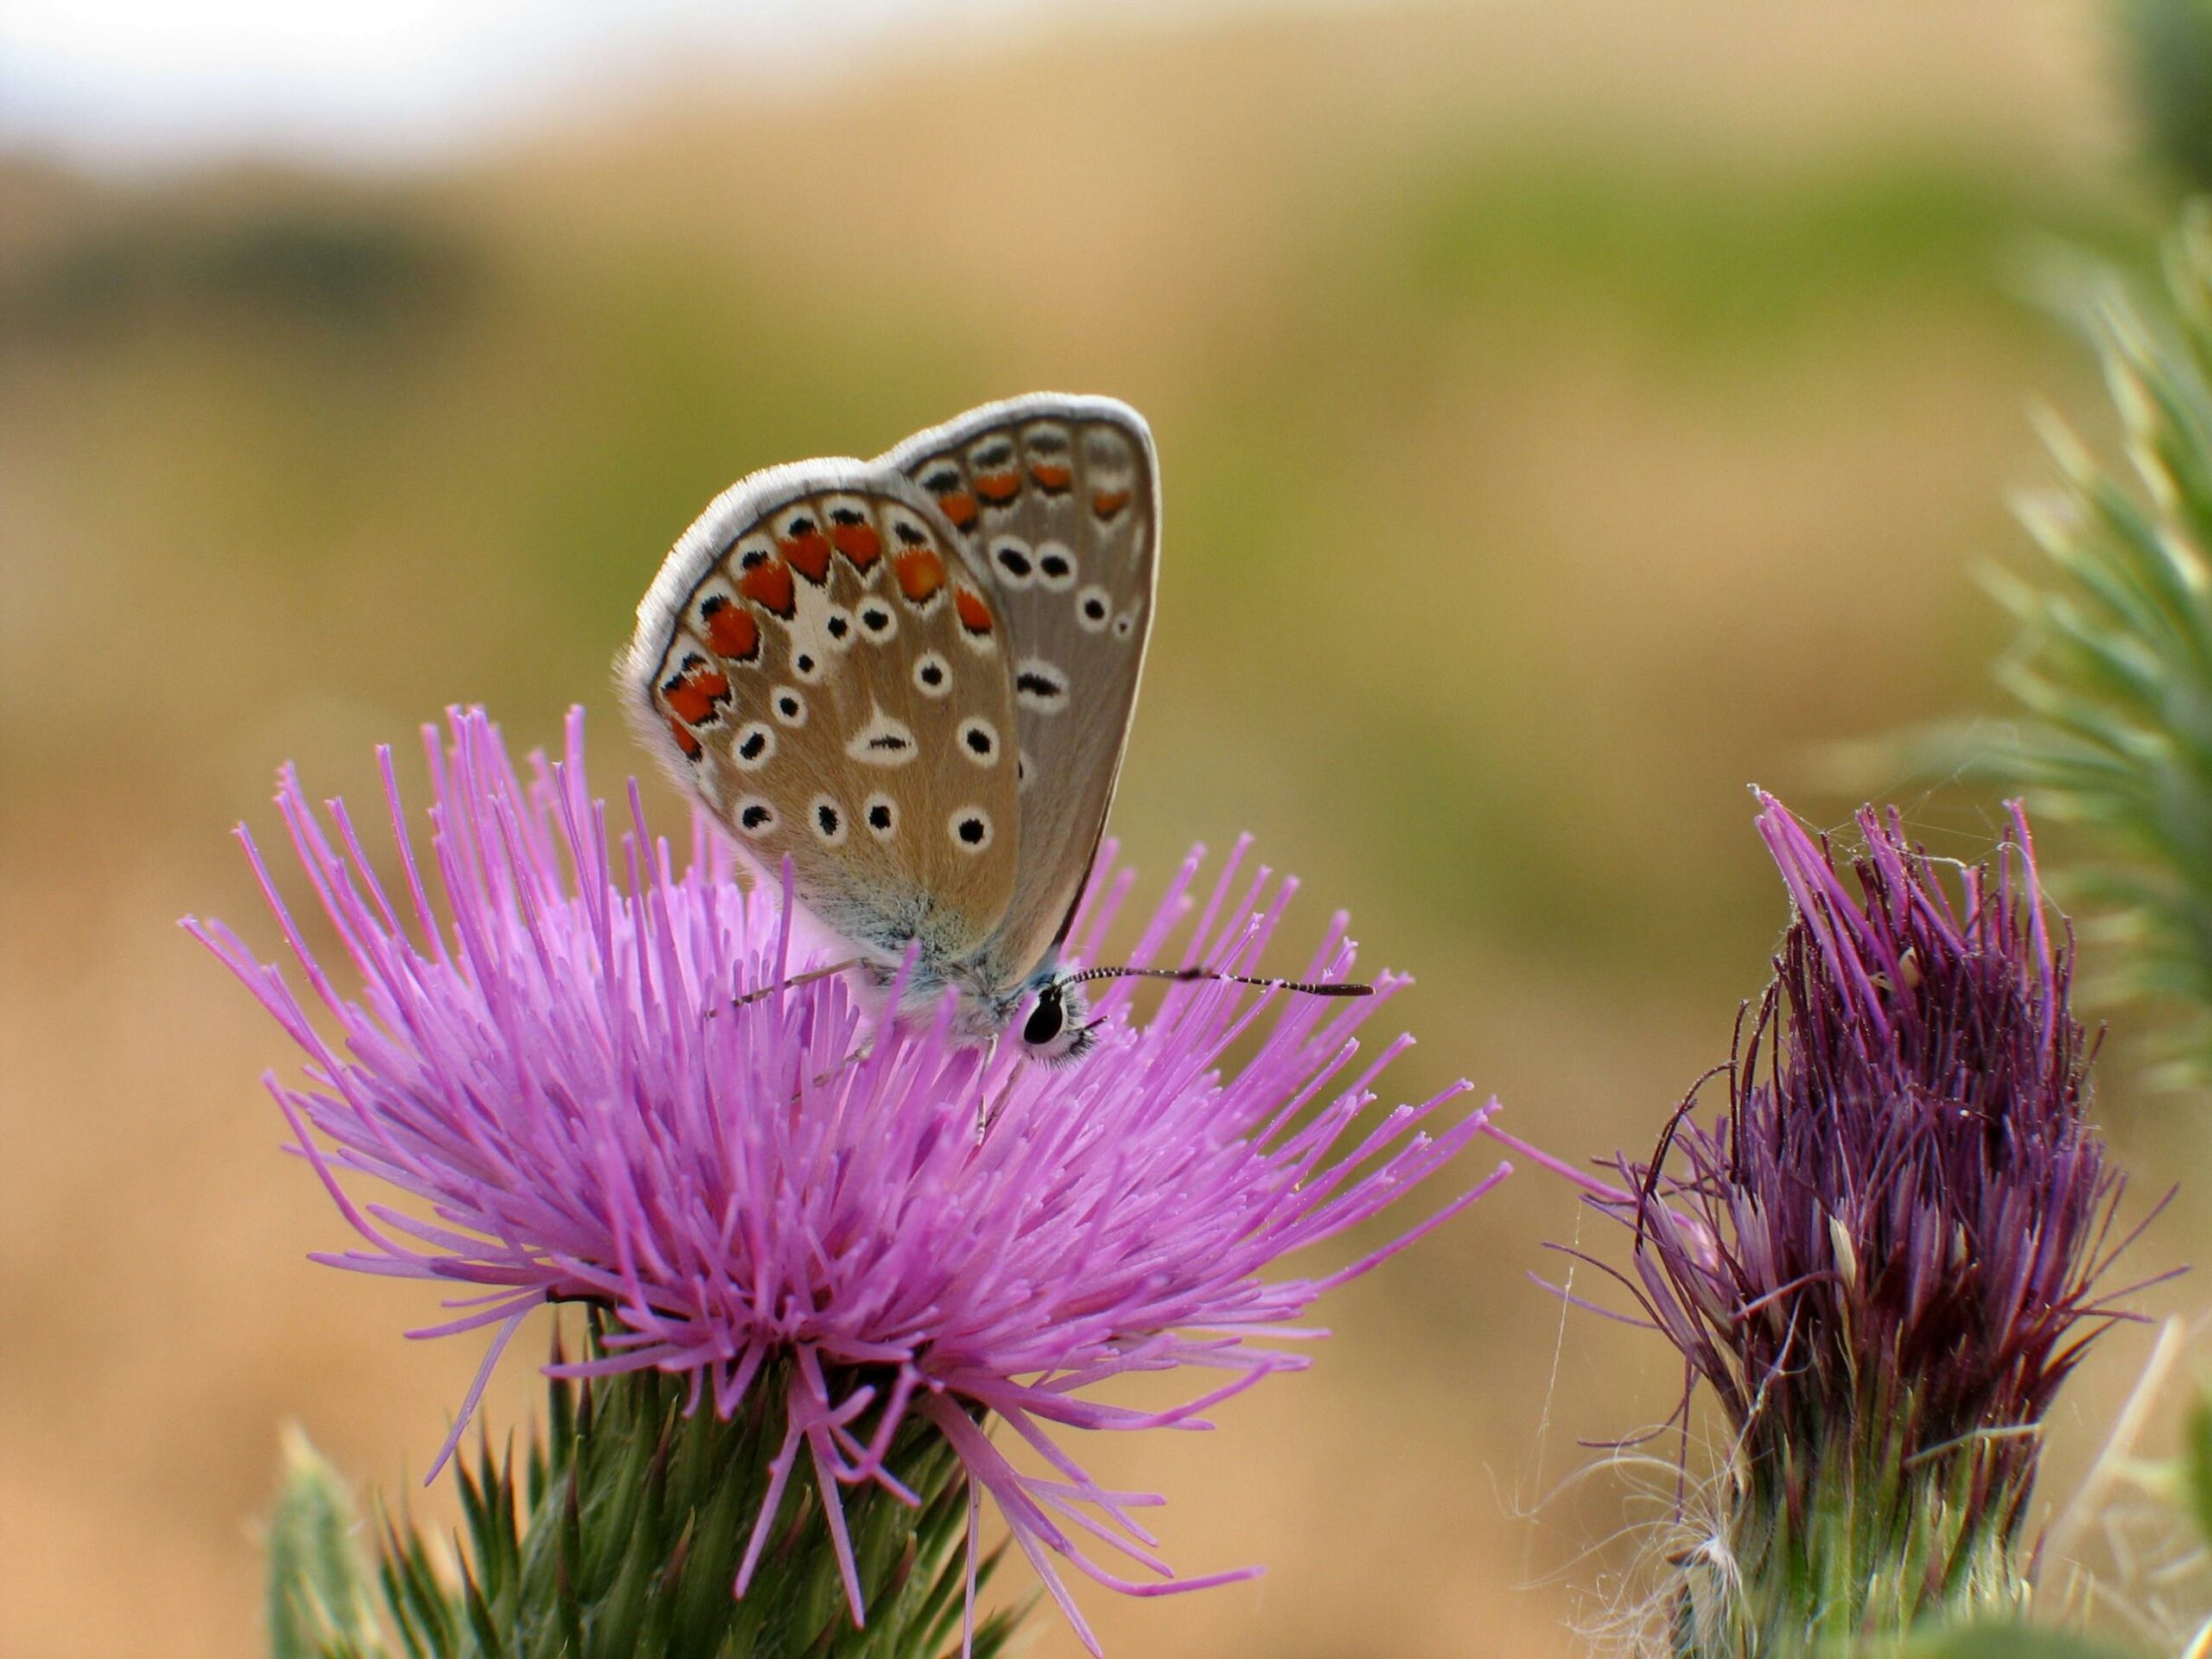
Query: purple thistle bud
x=794 y=1189
x=1883 y=1259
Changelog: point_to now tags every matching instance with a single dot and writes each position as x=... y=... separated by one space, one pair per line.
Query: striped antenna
x=1189 y=976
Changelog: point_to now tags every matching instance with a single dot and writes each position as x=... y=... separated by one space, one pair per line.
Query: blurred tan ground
x=1569 y=414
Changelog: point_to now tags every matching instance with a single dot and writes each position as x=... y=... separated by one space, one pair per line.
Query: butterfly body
x=912 y=679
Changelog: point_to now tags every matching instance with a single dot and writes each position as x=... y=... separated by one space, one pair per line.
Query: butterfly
x=912 y=679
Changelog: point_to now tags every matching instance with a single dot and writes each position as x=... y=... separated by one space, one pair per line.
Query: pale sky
x=138 y=83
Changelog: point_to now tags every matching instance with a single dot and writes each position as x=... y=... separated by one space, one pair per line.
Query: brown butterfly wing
x=1057 y=500
x=818 y=664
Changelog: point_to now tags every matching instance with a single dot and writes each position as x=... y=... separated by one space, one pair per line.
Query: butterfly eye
x=1045 y=1019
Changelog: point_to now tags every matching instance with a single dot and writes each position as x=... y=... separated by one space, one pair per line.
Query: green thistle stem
x=620 y=1528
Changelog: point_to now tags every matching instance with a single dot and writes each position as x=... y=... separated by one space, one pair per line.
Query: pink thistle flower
x=794 y=1188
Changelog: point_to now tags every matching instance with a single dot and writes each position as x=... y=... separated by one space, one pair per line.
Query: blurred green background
x=1569 y=415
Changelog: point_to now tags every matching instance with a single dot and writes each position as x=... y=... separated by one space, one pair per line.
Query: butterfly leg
x=986 y=1113
x=812 y=974
x=806 y=978
x=850 y=1060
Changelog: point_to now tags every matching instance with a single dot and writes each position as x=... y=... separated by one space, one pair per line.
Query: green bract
x=617 y=1533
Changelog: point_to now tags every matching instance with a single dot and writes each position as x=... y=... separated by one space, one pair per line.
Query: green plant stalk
x=620 y=1529
x=1831 y=1541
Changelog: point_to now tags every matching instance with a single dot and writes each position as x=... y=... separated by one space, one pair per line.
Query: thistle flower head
x=1882 y=1259
x=786 y=1203
x=1905 y=1196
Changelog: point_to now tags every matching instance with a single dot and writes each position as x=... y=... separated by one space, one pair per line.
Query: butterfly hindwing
x=1057 y=500
x=816 y=661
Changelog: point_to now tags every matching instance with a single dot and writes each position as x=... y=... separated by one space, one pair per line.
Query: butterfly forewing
x=1057 y=498
x=817 y=662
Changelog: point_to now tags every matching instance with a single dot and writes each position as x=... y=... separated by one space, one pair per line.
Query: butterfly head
x=1056 y=1030
x=1046 y=1009
x=1051 y=1011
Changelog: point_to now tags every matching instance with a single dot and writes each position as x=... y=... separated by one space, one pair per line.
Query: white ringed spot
x=877 y=620
x=826 y=819
x=969 y=828
x=1012 y=562
x=1041 y=685
x=1094 y=609
x=754 y=816
x=932 y=675
x=755 y=746
x=1055 y=568
x=788 y=706
x=979 y=741
x=884 y=740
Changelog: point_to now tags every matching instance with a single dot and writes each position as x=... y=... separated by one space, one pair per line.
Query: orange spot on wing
x=959 y=506
x=732 y=633
x=920 y=573
x=768 y=585
x=998 y=488
x=810 y=555
x=1052 y=474
x=684 y=740
x=974 y=615
x=861 y=543
x=694 y=698
x=1107 y=503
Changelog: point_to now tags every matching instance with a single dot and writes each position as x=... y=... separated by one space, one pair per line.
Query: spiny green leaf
x=2112 y=666
x=318 y=1579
